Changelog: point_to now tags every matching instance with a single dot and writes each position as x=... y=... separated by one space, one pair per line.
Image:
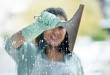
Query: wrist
x=32 y=31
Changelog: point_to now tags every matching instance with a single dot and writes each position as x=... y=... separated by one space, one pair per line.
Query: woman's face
x=54 y=36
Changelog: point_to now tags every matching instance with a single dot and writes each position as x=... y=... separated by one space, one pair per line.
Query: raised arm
x=15 y=45
x=46 y=21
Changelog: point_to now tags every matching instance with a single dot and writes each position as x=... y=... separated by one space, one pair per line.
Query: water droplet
x=35 y=56
x=25 y=59
x=41 y=40
x=22 y=56
x=14 y=42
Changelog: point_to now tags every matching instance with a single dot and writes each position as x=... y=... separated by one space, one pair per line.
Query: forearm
x=28 y=33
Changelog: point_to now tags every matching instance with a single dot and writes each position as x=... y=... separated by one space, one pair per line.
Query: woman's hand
x=48 y=20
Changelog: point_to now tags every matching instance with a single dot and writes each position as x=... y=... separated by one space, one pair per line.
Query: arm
x=47 y=21
x=15 y=53
x=15 y=44
x=75 y=64
x=19 y=53
x=79 y=65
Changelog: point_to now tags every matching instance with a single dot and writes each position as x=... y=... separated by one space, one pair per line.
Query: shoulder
x=74 y=63
x=73 y=59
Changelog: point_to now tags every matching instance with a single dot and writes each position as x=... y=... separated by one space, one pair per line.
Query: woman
x=50 y=54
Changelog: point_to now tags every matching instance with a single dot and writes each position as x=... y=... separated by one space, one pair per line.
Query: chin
x=54 y=44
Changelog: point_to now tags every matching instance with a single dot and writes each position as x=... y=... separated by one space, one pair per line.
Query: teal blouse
x=31 y=61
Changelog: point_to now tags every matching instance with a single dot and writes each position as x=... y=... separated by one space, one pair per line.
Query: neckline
x=46 y=58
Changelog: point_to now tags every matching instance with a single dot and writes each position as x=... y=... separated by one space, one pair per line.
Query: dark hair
x=57 y=12
x=64 y=46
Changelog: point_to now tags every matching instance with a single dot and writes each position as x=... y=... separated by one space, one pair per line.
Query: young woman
x=49 y=55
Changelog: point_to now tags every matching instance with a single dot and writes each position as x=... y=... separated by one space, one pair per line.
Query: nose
x=55 y=31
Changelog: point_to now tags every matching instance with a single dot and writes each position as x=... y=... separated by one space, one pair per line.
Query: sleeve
x=17 y=53
x=79 y=64
x=80 y=67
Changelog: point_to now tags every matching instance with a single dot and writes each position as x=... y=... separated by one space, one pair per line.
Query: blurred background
x=93 y=40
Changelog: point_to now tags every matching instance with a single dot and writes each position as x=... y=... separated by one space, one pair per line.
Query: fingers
x=55 y=21
x=49 y=19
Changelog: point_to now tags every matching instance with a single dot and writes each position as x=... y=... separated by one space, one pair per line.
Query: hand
x=48 y=20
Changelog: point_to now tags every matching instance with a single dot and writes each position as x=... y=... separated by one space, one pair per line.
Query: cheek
x=61 y=37
x=62 y=34
x=47 y=34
